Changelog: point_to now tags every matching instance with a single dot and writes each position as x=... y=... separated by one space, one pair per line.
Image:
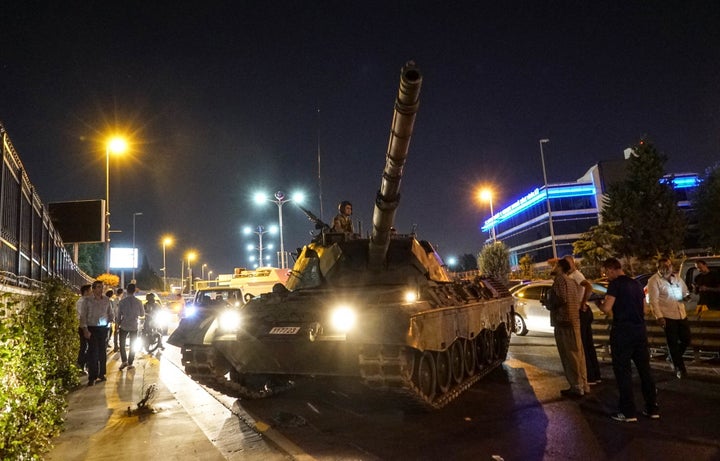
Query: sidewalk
x=103 y=421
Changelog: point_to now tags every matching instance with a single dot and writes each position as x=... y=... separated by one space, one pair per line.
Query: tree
x=494 y=261
x=467 y=262
x=527 y=268
x=643 y=207
x=706 y=200
x=596 y=245
x=91 y=258
x=147 y=278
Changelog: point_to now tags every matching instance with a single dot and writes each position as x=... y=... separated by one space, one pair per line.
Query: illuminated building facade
x=524 y=226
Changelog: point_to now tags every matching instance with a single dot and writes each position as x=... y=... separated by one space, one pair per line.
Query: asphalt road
x=515 y=413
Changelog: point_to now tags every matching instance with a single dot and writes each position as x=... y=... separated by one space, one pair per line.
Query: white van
x=688 y=272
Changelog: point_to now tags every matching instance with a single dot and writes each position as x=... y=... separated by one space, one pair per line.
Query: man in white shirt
x=667 y=293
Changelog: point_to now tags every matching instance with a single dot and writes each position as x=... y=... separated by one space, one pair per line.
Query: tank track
x=387 y=368
x=206 y=366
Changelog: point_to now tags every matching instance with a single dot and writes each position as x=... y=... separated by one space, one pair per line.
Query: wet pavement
x=180 y=420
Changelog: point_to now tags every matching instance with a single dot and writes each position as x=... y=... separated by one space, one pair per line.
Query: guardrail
x=704 y=328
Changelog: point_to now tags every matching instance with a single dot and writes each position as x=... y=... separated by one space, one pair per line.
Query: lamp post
x=190 y=258
x=115 y=145
x=280 y=200
x=165 y=242
x=133 y=246
x=209 y=274
x=547 y=198
x=202 y=271
x=260 y=231
x=486 y=195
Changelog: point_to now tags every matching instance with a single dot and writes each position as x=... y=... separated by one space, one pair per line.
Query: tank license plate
x=284 y=330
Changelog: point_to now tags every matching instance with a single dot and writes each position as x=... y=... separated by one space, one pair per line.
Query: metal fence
x=31 y=250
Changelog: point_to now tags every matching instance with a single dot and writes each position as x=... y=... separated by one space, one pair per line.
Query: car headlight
x=229 y=320
x=190 y=310
x=343 y=319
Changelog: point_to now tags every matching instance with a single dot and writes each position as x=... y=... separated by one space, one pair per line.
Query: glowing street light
x=280 y=200
x=486 y=195
x=260 y=231
x=115 y=145
x=166 y=241
x=209 y=274
x=202 y=271
x=547 y=198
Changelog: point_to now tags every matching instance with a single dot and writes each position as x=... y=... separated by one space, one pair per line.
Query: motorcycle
x=151 y=331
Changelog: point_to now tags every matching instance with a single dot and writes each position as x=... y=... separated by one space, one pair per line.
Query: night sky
x=222 y=99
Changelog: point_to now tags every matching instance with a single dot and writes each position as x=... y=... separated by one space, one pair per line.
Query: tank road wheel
x=485 y=349
x=443 y=370
x=469 y=356
x=457 y=361
x=425 y=375
x=502 y=343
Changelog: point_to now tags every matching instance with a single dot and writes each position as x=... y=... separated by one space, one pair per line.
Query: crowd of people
x=625 y=299
x=110 y=321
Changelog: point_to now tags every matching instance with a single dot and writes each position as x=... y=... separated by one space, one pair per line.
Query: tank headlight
x=410 y=296
x=343 y=319
x=229 y=320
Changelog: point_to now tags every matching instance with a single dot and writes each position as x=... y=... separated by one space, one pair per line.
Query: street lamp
x=116 y=145
x=260 y=231
x=209 y=274
x=486 y=195
x=202 y=271
x=190 y=258
x=165 y=242
x=280 y=200
x=547 y=198
x=134 y=252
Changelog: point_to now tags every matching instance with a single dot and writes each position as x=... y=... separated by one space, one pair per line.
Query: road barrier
x=704 y=328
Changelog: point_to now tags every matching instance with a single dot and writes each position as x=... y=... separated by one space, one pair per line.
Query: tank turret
x=381 y=310
x=388 y=197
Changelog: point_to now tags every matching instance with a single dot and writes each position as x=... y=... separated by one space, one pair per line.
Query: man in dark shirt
x=707 y=285
x=628 y=341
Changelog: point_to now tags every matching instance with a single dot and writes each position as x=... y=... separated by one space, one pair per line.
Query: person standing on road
x=628 y=342
x=129 y=310
x=152 y=313
x=586 y=318
x=82 y=353
x=95 y=316
x=707 y=285
x=112 y=327
x=116 y=325
x=343 y=220
x=567 y=331
x=667 y=293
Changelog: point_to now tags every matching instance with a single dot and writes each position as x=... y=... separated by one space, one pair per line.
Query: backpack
x=551 y=300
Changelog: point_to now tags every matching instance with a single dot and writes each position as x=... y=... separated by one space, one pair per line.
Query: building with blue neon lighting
x=524 y=226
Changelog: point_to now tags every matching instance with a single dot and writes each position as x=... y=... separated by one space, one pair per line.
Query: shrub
x=38 y=349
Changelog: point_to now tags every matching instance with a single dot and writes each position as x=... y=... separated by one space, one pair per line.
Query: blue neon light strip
x=684 y=182
x=536 y=196
x=579 y=190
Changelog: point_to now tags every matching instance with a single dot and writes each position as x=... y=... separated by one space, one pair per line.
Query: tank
x=381 y=310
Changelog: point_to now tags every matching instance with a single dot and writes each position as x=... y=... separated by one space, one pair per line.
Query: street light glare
x=486 y=195
x=117 y=145
x=167 y=241
x=260 y=197
x=298 y=197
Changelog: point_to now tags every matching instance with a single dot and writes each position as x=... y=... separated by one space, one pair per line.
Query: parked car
x=531 y=315
x=688 y=272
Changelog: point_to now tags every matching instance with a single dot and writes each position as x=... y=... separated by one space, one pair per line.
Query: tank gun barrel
x=388 y=197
